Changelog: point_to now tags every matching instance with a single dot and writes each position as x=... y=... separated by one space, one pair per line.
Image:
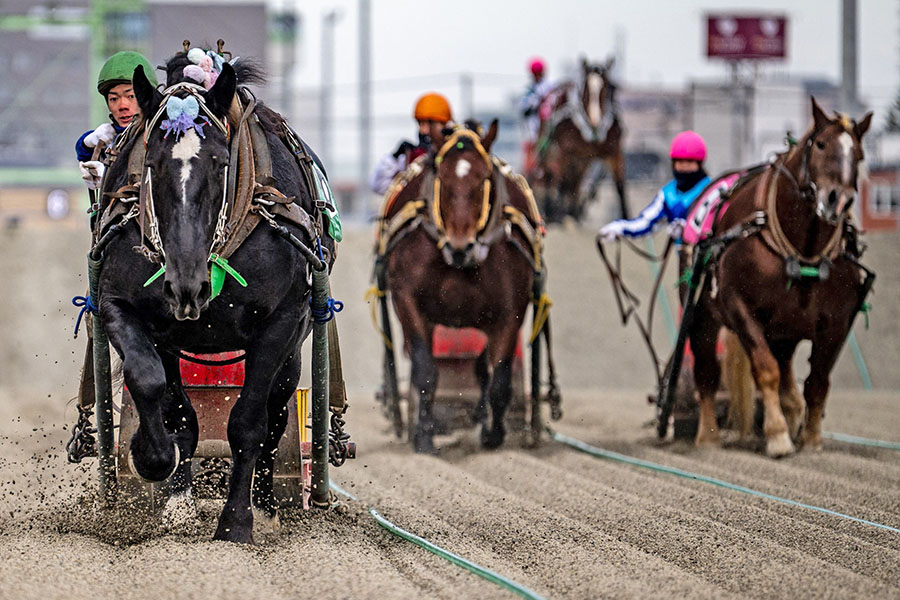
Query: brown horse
x=583 y=126
x=784 y=269
x=461 y=262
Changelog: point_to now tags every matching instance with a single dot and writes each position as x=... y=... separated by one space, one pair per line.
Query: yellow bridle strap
x=436 y=205
x=485 y=206
x=455 y=137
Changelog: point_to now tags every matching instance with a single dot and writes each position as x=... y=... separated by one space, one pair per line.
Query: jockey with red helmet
x=432 y=113
x=672 y=202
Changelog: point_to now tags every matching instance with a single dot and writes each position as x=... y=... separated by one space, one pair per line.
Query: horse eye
x=820 y=145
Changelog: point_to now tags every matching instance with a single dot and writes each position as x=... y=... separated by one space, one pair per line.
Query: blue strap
x=326 y=314
x=86 y=304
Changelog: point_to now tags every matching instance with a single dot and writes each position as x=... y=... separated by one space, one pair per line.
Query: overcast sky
x=662 y=42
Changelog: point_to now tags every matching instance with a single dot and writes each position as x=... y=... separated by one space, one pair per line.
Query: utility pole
x=365 y=94
x=326 y=92
x=467 y=93
x=849 y=98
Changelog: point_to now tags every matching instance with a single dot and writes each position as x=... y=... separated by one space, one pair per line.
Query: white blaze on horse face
x=594 y=83
x=184 y=150
x=463 y=167
x=846 y=141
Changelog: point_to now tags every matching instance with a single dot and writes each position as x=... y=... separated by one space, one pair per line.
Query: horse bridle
x=457 y=139
x=158 y=253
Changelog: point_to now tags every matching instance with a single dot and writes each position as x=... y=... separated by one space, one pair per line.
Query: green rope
x=457 y=560
x=155 y=276
x=861 y=441
x=601 y=453
x=865 y=309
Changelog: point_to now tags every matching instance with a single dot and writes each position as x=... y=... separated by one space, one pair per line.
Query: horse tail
x=739 y=381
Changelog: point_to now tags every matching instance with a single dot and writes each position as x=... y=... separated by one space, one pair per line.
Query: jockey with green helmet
x=114 y=83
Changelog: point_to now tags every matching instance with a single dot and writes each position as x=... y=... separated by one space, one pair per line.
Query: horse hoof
x=265 y=523
x=424 y=444
x=708 y=439
x=492 y=438
x=237 y=535
x=779 y=445
x=152 y=477
x=179 y=512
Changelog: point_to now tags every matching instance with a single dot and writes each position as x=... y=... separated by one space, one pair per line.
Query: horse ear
x=820 y=119
x=863 y=126
x=584 y=64
x=148 y=97
x=610 y=63
x=488 y=140
x=221 y=94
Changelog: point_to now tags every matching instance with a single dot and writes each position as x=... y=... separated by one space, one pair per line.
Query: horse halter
x=456 y=140
x=158 y=254
x=808 y=187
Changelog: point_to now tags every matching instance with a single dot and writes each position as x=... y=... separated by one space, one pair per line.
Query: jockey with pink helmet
x=538 y=89
x=672 y=202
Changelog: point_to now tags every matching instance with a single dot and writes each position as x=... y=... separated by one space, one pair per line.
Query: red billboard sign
x=746 y=37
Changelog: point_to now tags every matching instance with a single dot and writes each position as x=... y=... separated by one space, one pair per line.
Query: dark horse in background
x=184 y=181
x=462 y=268
x=788 y=271
x=583 y=127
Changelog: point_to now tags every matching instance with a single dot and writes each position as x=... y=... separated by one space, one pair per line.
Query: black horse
x=184 y=179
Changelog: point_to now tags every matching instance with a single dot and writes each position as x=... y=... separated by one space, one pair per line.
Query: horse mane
x=246 y=70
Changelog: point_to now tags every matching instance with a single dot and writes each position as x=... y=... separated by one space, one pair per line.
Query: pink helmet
x=537 y=66
x=688 y=145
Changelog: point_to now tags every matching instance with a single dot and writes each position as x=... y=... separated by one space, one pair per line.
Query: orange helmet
x=433 y=107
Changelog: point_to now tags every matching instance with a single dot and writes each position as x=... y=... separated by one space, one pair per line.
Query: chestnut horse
x=784 y=269
x=582 y=127
x=462 y=262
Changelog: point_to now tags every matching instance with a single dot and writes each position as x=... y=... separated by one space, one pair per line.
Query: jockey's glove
x=105 y=133
x=676 y=229
x=610 y=232
x=92 y=173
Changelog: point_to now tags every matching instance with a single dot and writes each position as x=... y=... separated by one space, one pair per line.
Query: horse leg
x=502 y=347
x=482 y=373
x=767 y=373
x=815 y=389
x=423 y=380
x=284 y=387
x=153 y=454
x=792 y=403
x=248 y=427
x=704 y=333
x=180 y=420
x=617 y=165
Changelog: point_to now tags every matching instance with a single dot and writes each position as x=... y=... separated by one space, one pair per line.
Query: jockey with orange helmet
x=672 y=202
x=432 y=113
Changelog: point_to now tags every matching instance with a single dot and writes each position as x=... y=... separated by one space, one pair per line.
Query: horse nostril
x=205 y=292
x=168 y=291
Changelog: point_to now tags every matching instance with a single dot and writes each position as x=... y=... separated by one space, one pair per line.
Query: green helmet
x=119 y=68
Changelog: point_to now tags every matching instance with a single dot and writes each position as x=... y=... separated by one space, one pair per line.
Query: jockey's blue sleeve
x=82 y=152
x=643 y=224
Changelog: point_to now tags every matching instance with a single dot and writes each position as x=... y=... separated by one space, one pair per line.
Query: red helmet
x=537 y=65
x=688 y=145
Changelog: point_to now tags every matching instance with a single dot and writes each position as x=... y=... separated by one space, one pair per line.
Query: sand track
x=560 y=522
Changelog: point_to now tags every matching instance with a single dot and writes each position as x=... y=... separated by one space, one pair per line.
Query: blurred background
x=346 y=73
